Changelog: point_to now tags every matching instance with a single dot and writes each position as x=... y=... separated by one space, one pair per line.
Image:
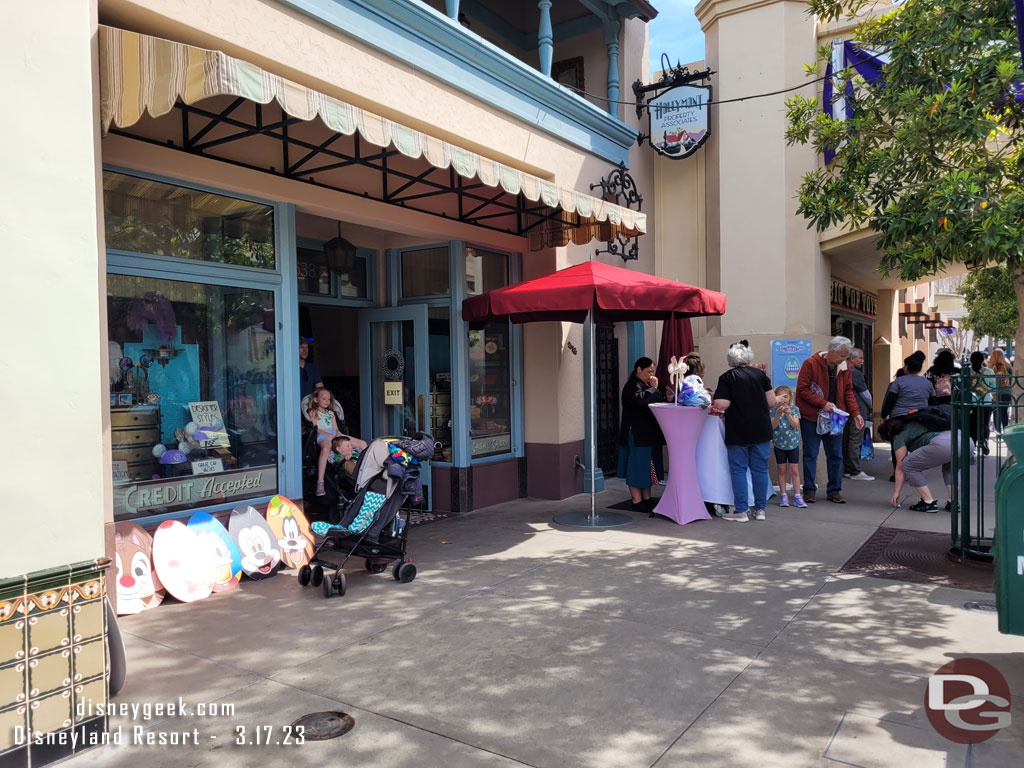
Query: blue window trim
x=208 y=272
x=396 y=265
x=369 y=255
x=434 y=44
x=462 y=450
x=189 y=265
x=459 y=294
x=289 y=473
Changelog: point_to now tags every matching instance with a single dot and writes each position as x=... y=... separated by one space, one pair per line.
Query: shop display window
x=485 y=271
x=490 y=378
x=313 y=275
x=440 y=339
x=154 y=217
x=193 y=394
x=425 y=272
x=315 y=278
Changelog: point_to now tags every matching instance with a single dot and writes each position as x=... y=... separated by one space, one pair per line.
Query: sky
x=675 y=31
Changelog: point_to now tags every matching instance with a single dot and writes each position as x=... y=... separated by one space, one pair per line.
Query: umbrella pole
x=605 y=519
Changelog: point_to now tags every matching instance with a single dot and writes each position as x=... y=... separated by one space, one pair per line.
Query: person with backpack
x=983 y=382
x=921 y=440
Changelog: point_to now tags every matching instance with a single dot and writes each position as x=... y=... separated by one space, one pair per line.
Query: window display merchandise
x=193 y=394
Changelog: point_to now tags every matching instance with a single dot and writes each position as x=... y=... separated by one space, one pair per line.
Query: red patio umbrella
x=613 y=294
x=603 y=294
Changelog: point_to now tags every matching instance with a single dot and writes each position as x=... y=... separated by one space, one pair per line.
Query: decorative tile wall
x=53 y=662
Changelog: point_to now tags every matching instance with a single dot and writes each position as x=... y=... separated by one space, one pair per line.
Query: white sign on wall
x=680 y=120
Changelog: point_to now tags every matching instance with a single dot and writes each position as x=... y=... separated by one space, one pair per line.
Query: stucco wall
x=55 y=453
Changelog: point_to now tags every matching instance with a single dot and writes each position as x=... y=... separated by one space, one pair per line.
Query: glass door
x=394 y=384
x=394 y=381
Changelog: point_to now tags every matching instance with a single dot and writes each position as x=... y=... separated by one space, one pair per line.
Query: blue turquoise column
x=452 y=7
x=589 y=410
x=545 y=37
x=611 y=41
x=634 y=343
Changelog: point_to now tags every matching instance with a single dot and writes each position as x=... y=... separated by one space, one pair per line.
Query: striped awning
x=140 y=74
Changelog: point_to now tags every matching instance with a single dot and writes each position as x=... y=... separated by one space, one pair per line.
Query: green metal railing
x=976 y=462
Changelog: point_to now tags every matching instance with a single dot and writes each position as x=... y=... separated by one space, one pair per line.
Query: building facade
x=726 y=216
x=201 y=186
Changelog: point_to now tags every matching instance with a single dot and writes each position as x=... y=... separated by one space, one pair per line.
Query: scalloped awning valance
x=141 y=74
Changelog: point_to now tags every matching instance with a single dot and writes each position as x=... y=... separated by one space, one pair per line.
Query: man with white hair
x=824 y=382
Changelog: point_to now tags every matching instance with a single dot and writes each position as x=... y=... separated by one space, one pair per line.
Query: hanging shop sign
x=680 y=120
x=847 y=297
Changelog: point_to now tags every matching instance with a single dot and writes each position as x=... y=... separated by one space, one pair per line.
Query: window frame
x=369 y=257
x=462 y=448
x=153 y=266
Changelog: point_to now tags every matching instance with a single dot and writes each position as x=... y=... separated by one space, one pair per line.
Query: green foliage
x=136 y=235
x=992 y=308
x=932 y=161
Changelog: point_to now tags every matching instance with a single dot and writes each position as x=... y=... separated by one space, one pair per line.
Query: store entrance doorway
x=334 y=350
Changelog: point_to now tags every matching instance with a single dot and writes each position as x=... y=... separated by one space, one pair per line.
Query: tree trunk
x=1018 y=343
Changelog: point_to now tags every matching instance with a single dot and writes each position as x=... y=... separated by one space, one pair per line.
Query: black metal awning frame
x=302 y=160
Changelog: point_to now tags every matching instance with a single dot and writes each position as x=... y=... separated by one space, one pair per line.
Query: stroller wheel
x=305 y=573
x=326 y=585
x=318 y=575
x=339 y=583
x=405 y=572
x=374 y=567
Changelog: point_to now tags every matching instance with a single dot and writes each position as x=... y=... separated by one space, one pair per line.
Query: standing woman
x=1001 y=368
x=983 y=381
x=639 y=432
x=941 y=376
x=746 y=395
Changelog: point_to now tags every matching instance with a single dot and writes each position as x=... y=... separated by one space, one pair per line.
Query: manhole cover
x=918 y=557
x=980 y=605
x=320 y=726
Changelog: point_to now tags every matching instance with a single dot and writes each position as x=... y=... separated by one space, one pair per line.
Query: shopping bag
x=867 y=446
x=838 y=419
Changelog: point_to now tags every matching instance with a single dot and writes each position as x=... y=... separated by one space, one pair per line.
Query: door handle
x=420 y=413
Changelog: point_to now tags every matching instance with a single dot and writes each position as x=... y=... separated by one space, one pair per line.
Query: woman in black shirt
x=745 y=395
x=639 y=430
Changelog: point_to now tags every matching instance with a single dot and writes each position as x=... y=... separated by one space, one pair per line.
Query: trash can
x=1009 y=536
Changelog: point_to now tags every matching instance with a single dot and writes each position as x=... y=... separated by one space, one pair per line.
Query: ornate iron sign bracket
x=620 y=188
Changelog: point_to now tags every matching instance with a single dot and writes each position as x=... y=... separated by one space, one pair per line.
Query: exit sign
x=394 y=393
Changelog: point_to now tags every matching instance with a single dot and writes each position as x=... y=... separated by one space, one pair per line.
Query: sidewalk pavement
x=715 y=644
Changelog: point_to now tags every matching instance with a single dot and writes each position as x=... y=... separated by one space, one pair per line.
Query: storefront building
x=726 y=216
x=211 y=183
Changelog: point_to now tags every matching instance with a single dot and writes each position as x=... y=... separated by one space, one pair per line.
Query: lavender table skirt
x=681 y=426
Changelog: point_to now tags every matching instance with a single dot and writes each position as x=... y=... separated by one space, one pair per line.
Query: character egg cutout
x=182 y=561
x=138 y=587
x=291 y=528
x=226 y=559
x=261 y=555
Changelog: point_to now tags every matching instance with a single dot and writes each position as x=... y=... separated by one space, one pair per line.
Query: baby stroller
x=371 y=525
x=339 y=486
